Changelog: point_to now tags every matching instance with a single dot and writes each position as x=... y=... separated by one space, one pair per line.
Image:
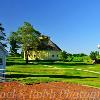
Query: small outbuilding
x=3 y=54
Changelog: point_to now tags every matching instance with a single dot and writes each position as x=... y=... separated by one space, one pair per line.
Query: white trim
x=2 y=69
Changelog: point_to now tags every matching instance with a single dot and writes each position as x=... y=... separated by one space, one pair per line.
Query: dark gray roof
x=49 y=45
x=53 y=46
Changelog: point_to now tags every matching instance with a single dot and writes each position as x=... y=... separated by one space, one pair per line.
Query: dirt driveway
x=47 y=91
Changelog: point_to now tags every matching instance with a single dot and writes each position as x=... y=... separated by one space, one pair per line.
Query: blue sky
x=74 y=25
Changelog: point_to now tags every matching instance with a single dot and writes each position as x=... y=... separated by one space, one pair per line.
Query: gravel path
x=47 y=91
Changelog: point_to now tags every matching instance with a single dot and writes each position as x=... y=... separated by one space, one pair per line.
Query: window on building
x=34 y=55
x=52 y=55
x=1 y=62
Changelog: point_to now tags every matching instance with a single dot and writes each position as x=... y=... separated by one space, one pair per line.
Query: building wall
x=2 y=56
x=44 y=55
x=2 y=61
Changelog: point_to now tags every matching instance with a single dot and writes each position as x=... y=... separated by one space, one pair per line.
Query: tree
x=79 y=55
x=69 y=57
x=14 y=42
x=2 y=36
x=64 y=55
x=28 y=38
x=93 y=55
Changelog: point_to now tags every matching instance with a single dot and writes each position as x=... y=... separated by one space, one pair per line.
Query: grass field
x=81 y=73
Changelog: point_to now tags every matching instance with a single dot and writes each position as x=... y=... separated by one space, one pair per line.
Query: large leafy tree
x=28 y=38
x=2 y=36
x=14 y=42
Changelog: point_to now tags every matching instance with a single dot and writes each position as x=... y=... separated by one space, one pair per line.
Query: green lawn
x=52 y=71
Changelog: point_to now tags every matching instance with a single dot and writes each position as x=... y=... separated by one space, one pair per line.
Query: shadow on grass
x=19 y=63
x=68 y=63
x=47 y=63
x=50 y=76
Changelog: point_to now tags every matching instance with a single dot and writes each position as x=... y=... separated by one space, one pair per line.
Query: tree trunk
x=26 y=53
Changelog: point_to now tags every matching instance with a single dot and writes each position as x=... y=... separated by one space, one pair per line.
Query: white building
x=3 y=54
x=47 y=50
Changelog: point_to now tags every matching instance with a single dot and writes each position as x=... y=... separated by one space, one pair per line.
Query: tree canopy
x=28 y=38
x=14 y=42
x=94 y=54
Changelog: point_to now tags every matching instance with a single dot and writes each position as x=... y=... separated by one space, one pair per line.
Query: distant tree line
x=72 y=57
x=94 y=57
